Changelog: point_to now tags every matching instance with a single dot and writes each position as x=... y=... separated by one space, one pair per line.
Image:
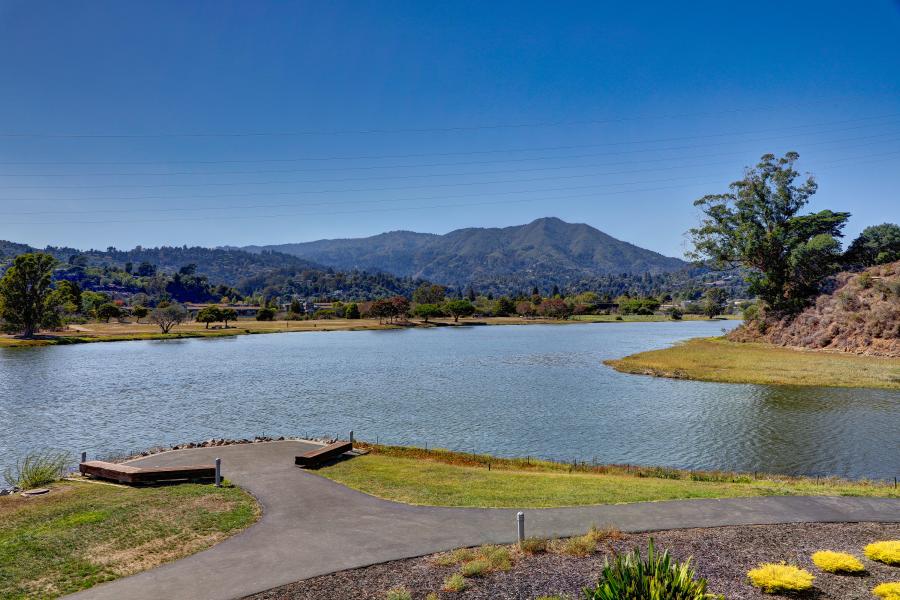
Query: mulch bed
x=722 y=555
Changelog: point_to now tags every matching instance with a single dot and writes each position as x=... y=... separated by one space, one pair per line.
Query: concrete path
x=312 y=526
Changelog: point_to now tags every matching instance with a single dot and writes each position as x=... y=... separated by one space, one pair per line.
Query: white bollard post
x=218 y=472
x=520 y=526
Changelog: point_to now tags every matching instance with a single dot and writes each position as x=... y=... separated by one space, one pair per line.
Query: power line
x=307 y=192
x=337 y=132
x=457 y=163
x=330 y=202
x=395 y=209
x=480 y=152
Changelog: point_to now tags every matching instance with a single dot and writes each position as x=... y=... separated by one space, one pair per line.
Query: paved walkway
x=312 y=526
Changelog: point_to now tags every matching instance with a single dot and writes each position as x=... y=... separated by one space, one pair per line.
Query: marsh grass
x=37 y=469
x=720 y=360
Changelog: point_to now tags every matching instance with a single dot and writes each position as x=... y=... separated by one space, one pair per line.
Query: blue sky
x=251 y=123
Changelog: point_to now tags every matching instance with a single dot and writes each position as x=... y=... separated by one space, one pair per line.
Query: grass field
x=116 y=332
x=717 y=359
x=81 y=533
x=444 y=478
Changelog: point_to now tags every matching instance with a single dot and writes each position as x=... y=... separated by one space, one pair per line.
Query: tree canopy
x=26 y=294
x=758 y=226
x=876 y=245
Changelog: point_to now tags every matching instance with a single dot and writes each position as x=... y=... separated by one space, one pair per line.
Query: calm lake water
x=528 y=390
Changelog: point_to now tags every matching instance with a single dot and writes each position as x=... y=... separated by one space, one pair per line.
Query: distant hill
x=544 y=252
x=271 y=273
x=859 y=313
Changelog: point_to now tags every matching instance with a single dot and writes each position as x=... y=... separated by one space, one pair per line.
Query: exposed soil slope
x=859 y=313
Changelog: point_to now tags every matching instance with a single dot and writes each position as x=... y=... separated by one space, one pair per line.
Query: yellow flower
x=775 y=578
x=837 y=562
x=887 y=552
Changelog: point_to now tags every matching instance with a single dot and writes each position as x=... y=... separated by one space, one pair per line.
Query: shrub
x=37 y=468
x=888 y=591
x=629 y=577
x=837 y=562
x=534 y=545
x=780 y=578
x=887 y=552
x=398 y=593
x=455 y=583
x=431 y=595
x=475 y=568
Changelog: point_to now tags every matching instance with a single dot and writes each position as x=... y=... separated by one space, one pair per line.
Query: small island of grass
x=720 y=360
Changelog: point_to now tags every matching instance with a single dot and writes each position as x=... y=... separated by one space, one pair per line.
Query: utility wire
x=337 y=132
x=457 y=163
x=479 y=152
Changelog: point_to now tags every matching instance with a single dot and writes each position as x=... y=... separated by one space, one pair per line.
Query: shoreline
x=719 y=360
x=127 y=332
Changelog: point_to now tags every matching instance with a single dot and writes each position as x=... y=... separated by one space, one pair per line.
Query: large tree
x=876 y=245
x=758 y=226
x=26 y=300
x=168 y=314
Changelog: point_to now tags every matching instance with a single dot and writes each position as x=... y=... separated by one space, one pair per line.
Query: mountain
x=858 y=313
x=544 y=252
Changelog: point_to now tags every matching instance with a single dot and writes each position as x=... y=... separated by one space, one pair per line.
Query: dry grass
x=115 y=332
x=716 y=359
x=85 y=533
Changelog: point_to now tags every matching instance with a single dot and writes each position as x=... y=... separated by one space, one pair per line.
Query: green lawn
x=717 y=359
x=441 y=478
x=83 y=533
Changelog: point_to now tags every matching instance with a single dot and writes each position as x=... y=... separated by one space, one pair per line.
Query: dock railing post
x=520 y=527
x=218 y=472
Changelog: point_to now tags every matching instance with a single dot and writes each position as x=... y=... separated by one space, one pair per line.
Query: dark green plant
x=630 y=577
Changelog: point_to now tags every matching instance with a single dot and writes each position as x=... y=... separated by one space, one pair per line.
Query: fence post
x=520 y=527
x=218 y=472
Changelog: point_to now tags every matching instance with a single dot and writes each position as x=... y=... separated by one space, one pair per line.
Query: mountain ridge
x=544 y=250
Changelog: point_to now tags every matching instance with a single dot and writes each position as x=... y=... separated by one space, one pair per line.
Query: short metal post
x=520 y=526
x=218 y=472
x=84 y=457
x=351 y=436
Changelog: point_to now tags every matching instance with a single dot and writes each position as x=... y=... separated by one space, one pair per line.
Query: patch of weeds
x=585 y=545
x=455 y=583
x=534 y=545
x=398 y=593
x=460 y=555
x=498 y=557
x=475 y=568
